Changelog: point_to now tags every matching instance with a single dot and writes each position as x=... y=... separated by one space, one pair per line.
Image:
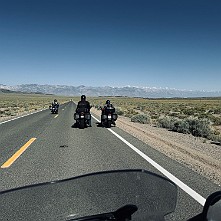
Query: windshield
x=89 y=195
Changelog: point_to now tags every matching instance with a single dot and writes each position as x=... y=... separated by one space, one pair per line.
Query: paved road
x=62 y=151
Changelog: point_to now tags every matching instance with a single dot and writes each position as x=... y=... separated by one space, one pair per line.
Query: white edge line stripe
x=95 y=118
x=21 y=117
x=179 y=183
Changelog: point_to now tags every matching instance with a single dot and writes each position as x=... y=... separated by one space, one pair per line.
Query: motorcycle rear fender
x=103 y=117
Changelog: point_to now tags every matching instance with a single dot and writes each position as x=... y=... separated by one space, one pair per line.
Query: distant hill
x=129 y=91
x=7 y=91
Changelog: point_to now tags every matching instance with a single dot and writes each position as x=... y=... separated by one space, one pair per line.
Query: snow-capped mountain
x=130 y=91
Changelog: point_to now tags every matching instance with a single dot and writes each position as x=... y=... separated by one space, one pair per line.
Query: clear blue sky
x=156 y=43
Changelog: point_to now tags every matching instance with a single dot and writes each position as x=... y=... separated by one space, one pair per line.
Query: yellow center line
x=10 y=161
x=56 y=116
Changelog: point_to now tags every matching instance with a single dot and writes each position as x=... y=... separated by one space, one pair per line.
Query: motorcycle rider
x=108 y=105
x=85 y=105
x=55 y=103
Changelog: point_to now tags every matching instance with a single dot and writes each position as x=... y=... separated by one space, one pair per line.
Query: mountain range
x=129 y=91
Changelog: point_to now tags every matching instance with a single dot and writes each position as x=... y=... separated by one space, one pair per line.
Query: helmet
x=55 y=100
x=83 y=97
x=107 y=101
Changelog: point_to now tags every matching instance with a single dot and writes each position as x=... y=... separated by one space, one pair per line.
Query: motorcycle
x=54 y=109
x=119 y=195
x=83 y=118
x=108 y=117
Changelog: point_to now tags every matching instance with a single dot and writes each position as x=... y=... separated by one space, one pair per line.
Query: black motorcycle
x=83 y=118
x=54 y=109
x=108 y=117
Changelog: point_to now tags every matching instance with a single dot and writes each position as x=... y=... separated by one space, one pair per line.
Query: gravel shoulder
x=196 y=153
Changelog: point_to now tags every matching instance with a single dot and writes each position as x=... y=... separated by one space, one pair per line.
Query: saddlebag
x=114 y=116
x=87 y=116
x=76 y=116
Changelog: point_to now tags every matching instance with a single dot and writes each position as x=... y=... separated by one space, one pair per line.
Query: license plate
x=109 y=117
x=82 y=116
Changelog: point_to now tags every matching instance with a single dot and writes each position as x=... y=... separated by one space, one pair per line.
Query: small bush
x=130 y=113
x=181 y=126
x=174 y=114
x=203 y=115
x=216 y=121
x=10 y=113
x=119 y=111
x=141 y=118
x=216 y=132
x=166 y=122
x=196 y=127
x=199 y=127
x=189 y=112
x=217 y=111
x=154 y=116
x=141 y=108
x=215 y=138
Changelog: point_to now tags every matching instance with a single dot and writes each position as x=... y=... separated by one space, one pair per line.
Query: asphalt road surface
x=44 y=147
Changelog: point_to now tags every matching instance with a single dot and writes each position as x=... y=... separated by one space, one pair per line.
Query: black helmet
x=83 y=97
x=107 y=101
x=55 y=100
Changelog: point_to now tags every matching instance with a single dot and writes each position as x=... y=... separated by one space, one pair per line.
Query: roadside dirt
x=196 y=153
x=6 y=118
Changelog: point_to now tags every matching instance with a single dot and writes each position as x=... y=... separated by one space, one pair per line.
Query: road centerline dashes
x=12 y=159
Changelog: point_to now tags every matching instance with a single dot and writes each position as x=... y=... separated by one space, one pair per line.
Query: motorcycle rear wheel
x=108 y=124
x=81 y=124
